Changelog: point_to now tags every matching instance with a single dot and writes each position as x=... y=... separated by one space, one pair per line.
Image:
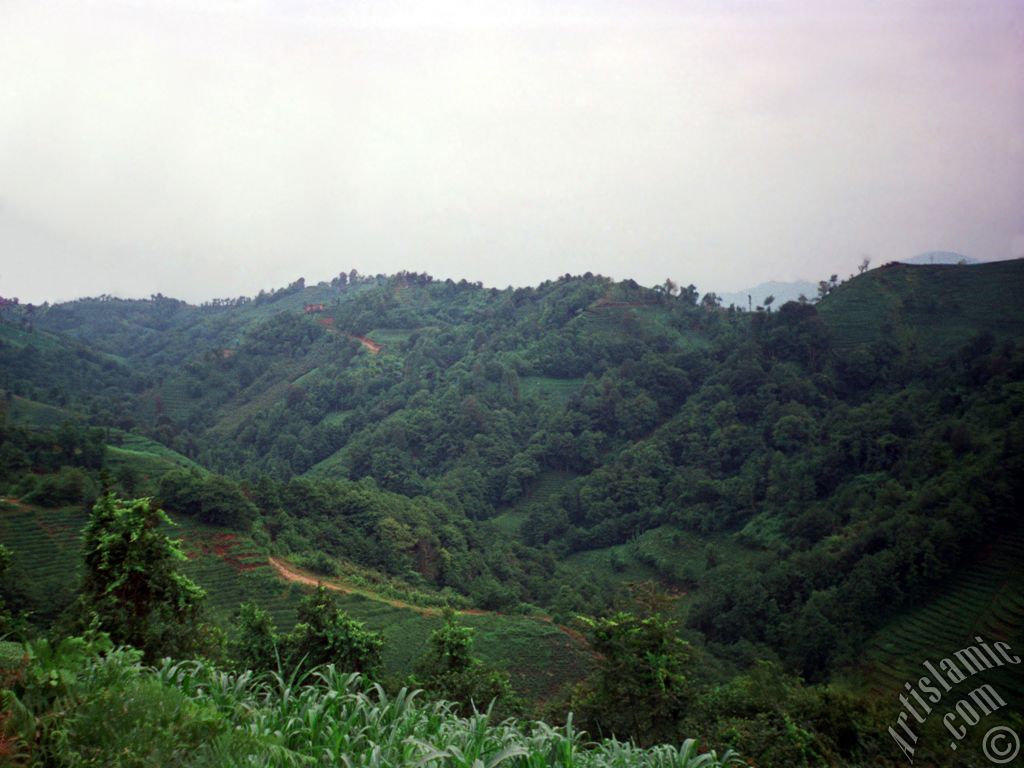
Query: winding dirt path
x=373 y=347
x=296 y=575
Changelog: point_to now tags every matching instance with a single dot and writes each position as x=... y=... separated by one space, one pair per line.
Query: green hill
x=934 y=309
x=813 y=486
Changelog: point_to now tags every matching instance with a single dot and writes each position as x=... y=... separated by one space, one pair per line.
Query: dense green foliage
x=449 y=671
x=803 y=474
x=83 y=703
x=6 y=623
x=324 y=634
x=641 y=688
x=133 y=584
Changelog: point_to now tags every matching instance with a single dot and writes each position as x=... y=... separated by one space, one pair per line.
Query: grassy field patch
x=390 y=337
x=336 y=418
x=554 y=392
x=30 y=413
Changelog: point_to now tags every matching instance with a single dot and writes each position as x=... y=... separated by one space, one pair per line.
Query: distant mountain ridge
x=940 y=257
x=782 y=291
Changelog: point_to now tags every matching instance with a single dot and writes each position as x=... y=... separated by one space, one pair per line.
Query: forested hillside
x=786 y=483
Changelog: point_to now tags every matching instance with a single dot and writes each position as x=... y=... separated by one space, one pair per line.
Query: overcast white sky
x=206 y=148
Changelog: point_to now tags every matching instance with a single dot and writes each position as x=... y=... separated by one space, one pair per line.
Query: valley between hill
x=830 y=489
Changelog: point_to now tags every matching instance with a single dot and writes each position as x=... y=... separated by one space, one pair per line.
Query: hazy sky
x=206 y=148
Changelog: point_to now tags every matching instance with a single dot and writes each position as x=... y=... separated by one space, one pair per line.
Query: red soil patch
x=373 y=347
x=223 y=546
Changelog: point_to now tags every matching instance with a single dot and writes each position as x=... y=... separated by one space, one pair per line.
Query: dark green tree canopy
x=133 y=580
x=641 y=687
x=449 y=671
x=325 y=634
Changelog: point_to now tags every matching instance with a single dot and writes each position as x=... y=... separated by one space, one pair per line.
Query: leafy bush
x=68 y=486
x=641 y=688
x=325 y=634
x=449 y=671
x=319 y=563
x=133 y=582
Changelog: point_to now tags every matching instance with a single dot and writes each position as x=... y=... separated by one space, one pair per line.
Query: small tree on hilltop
x=133 y=582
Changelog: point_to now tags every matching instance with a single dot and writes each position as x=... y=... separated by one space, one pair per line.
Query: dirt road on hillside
x=371 y=345
x=291 y=573
x=295 y=575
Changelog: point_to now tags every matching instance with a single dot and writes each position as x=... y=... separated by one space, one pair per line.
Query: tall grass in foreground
x=339 y=718
x=112 y=711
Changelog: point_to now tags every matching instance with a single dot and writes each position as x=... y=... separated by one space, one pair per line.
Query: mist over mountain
x=940 y=257
x=520 y=486
x=751 y=298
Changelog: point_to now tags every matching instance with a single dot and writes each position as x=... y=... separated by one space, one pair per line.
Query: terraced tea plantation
x=45 y=549
x=45 y=553
x=904 y=298
x=148 y=459
x=233 y=571
x=539 y=656
x=984 y=600
x=672 y=557
x=24 y=412
x=543 y=490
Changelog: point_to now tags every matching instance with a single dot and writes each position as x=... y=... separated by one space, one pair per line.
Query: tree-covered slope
x=823 y=466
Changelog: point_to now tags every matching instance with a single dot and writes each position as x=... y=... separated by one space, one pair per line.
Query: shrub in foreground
x=83 y=703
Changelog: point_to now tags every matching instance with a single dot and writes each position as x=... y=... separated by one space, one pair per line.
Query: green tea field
x=984 y=600
x=45 y=549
